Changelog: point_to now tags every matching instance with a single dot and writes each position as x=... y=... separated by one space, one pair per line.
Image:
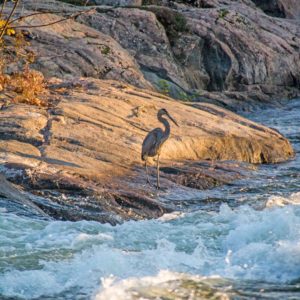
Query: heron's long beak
x=173 y=120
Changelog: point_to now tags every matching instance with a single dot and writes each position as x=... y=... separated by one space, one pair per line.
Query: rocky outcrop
x=14 y=195
x=79 y=157
x=69 y=49
x=231 y=50
x=226 y=52
x=84 y=151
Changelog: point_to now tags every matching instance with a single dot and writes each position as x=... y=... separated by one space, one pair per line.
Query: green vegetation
x=173 y=21
x=223 y=12
x=105 y=50
x=234 y=19
x=164 y=87
x=183 y=96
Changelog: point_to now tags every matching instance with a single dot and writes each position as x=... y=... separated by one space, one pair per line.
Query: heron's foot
x=158 y=187
x=212 y=166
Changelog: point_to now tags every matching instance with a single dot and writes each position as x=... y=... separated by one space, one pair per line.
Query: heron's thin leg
x=212 y=164
x=148 y=181
x=157 y=185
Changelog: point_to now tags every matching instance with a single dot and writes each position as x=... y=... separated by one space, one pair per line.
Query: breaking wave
x=54 y=258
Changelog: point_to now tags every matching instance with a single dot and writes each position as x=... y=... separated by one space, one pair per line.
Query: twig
x=10 y=15
x=55 y=22
x=33 y=14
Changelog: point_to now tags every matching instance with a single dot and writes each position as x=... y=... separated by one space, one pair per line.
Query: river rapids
x=244 y=245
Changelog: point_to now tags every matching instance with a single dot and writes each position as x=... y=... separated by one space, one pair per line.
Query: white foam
x=172 y=216
x=164 y=282
x=240 y=244
x=293 y=199
x=101 y=236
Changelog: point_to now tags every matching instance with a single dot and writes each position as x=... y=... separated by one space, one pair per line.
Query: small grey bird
x=154 y=141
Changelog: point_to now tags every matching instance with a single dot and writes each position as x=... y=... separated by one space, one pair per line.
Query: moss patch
x=105 y=50
x=223 y=12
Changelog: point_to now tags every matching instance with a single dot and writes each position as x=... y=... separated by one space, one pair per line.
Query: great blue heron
x=154 y=140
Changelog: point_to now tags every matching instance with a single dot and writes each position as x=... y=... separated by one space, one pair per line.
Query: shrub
x=105 y=50
x=17 y=80
x=223 y=12
x=29 y=85
x=23 y=84
x=164 y=87
x=189 y=97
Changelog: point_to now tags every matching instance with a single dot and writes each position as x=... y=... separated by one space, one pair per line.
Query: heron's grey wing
x=151 y=143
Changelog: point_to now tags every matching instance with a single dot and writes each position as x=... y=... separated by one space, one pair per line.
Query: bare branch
x=7 y=20
x=33 y=14
x=55 y=22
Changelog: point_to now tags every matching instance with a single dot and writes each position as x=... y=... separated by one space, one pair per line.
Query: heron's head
x=162 y=112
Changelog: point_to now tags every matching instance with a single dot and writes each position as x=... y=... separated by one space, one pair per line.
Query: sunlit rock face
x=229 y=49
x=233 y=53
x=70 y=49
x=88 y=146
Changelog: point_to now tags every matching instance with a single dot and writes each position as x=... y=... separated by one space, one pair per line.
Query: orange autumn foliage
x=18 y=82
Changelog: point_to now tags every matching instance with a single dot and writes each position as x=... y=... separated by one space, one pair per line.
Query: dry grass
x=3 y=82
x=29 y=86
x=18 y=82
x=24 y=85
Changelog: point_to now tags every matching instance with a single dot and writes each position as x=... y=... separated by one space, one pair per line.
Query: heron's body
x=154 y=141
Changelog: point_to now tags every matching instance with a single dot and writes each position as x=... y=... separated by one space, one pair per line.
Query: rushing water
x=247 y=248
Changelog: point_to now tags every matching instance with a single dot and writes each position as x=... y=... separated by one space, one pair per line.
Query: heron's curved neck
x=166 y=124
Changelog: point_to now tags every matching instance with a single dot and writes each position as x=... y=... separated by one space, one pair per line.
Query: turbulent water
x=236 y=242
